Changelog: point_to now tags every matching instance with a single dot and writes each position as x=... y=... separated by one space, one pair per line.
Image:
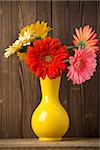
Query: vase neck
x=50 y=88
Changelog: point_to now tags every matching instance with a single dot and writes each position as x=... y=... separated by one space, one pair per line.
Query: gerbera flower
x=16 y=46
x=38 y=29
x=26 y=36
x=86 y=37
x=82 y=66
x=46 y=57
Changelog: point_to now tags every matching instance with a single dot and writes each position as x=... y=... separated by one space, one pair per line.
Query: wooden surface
x=68 y=144
x=19 y=89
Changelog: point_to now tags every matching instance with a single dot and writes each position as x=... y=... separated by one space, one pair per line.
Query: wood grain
x=98 y=29
x=64 y=21
x=35 y=144
x=90 y=89
x=28 y=81
x=53 y=148
x=0 y=78
x=20 y=90
x=10 y=112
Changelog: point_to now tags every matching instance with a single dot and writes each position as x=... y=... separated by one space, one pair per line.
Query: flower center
x=82 y=44
x=48 y=58
x=78 y=64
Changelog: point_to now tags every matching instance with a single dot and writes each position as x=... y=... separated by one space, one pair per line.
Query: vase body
x=50 y=120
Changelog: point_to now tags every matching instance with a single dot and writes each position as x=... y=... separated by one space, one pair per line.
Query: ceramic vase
x=50 y=121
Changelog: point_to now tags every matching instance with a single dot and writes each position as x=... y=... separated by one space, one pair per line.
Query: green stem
x=70 y=47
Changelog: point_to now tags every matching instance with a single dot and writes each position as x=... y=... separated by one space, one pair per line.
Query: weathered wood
x=10 y=98
x=98 y=29
x=68 y=144
x=28 y=82
x=0 y=78
x=43 y=13
x=80 y=104
x=64 y=21
x=53 y=148
x=90 y=99
x=19 y=88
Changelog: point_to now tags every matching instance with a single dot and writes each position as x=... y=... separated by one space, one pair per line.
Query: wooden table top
x=34 y=143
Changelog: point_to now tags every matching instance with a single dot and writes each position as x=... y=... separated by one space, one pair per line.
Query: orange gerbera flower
x=86 y=37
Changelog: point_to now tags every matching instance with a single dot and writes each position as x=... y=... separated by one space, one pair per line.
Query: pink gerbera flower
x=82 y=66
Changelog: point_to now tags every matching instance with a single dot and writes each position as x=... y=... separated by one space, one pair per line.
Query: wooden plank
x=0 y=77
x=10 y=122
x=43 y=13
x=28 y=84
x=68 y=143
x=90 y=98
x=15 y=92
x=30 y=88
x=66 y=15
x=98 y=30
x=6 y=72
x=64 y=148
x=53 y=148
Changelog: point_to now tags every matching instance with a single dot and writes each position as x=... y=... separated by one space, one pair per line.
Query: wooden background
x=20 y=90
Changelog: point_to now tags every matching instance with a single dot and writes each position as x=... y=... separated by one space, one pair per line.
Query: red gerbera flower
x=46 y=57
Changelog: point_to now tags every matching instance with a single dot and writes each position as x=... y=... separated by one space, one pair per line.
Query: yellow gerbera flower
x=38 y=29
x=16 y=46
x=26 y=38
x=27 y=35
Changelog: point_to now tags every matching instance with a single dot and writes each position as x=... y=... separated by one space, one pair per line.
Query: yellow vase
x=50 y=120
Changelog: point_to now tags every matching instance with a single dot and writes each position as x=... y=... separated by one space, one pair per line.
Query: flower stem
x=70 y=47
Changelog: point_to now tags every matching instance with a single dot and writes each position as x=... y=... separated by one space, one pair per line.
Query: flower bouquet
x=47 y=58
